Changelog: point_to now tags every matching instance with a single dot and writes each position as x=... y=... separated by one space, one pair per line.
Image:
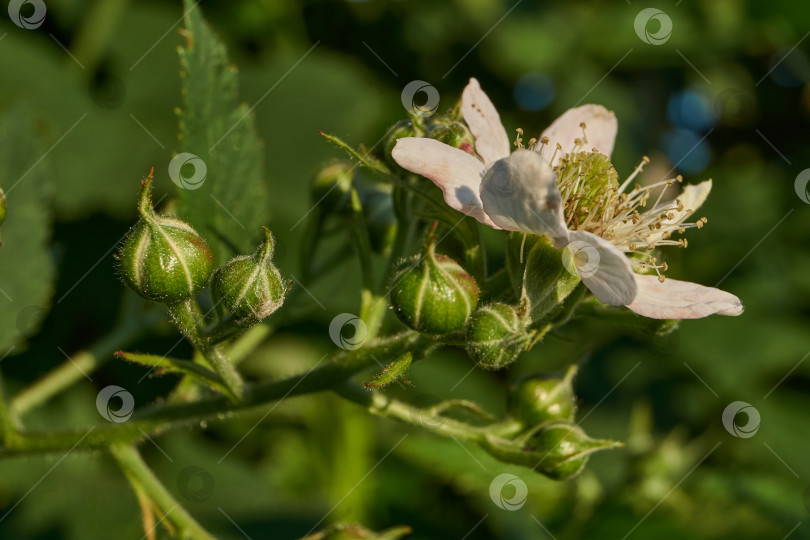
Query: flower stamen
x=519 y=139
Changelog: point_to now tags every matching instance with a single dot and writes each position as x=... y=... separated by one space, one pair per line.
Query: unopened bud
x=496 y=336
x=559 y=451
x=452 y=133
x=163 y=258
x=536 y=399
x=432 y=293
x=565 y=449
x=250 y=286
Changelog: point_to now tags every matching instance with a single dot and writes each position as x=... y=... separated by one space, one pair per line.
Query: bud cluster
x=164 y=259
x=549 y=442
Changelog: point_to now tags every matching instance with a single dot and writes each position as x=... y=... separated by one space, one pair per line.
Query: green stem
x=372 y=311
x=372 y=305
x=139 y=473
x=223 y=330
x=130 y=327
x=361 y=241
x=428 y=418
x=405 y=227
x=161 y=418
x=9 y=424
x=185 y=318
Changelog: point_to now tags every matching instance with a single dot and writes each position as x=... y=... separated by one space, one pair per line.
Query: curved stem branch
x=142 y=477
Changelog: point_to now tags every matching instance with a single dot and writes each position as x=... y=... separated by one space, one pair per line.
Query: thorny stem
x=144 y=480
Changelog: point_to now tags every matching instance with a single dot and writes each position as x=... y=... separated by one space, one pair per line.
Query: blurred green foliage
x=731 y=78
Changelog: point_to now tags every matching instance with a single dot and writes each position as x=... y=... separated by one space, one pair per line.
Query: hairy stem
x=428 y=418
x=152 y=421
x=184 y=317
x=142 y=478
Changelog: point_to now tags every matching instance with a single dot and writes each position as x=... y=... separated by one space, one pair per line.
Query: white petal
x=520 y=193
x=692 y=197
x=491 y=140
x=601 y=128
x=456 y=172
x=604 y=269
x=675 y=299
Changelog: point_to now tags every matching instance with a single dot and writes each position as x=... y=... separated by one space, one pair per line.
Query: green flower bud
x=250 y=286
x=559 y=451
x=403 y=128
x=496 y=336
x=432 y=293
x=330 y=187
x=163 y=258
x=536 y=399
x=452 y=133
x=565 y=449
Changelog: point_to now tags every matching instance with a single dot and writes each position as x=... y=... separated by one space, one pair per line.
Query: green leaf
x=26 y=266
x=230 y=206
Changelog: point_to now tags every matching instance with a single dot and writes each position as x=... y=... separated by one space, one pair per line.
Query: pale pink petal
x=604 y=269
x=491 y=140
x=675 y=299
x=520 y=193
x=456 y=172
x=601 y=128
x=692 y=197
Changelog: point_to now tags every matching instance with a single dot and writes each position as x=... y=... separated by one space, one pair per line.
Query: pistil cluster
x=595 y=202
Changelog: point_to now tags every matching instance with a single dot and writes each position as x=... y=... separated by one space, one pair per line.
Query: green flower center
x=589 y=186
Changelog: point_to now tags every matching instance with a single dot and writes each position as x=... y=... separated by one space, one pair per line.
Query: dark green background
x=748 y=92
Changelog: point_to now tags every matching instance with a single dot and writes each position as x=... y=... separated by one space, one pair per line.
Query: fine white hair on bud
x=250 y=286
x=432 y=293
x=163 y=258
